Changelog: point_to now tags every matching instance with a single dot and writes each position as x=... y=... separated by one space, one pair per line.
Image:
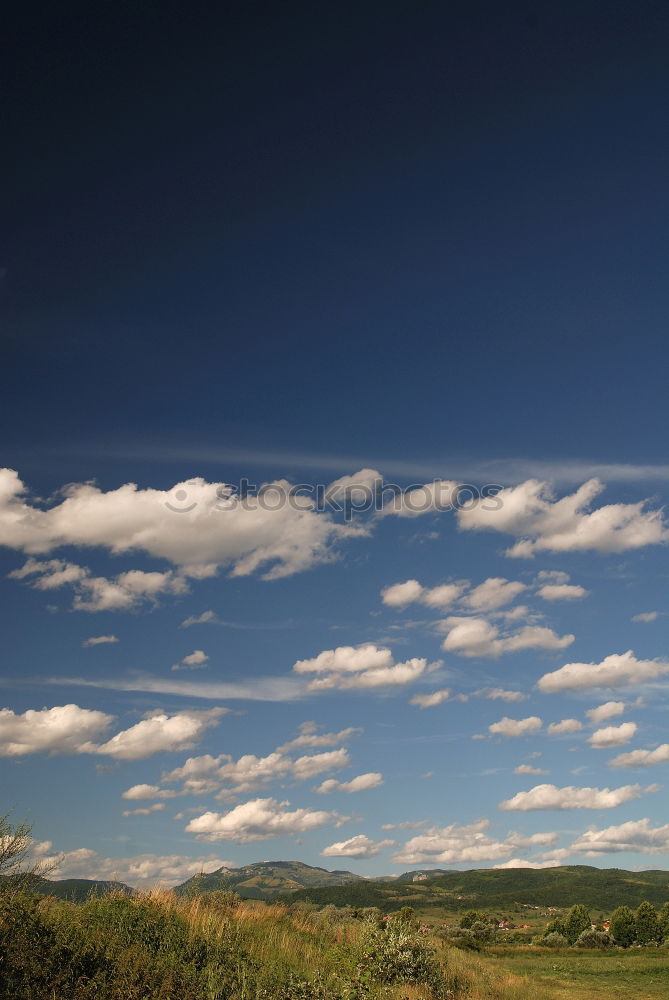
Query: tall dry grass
x=157 y=946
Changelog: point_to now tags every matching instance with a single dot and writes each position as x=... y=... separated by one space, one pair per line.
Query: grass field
x=638 y=974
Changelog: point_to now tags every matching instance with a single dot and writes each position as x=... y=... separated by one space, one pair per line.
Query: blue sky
x=428 y=248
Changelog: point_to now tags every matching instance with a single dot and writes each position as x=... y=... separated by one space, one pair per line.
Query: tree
x=647 y=924
x=576 y=921
x=471 y=917
x=15 y=842
x=16 y=864
x=556 y=926
x=623 y=926
x=663 y=920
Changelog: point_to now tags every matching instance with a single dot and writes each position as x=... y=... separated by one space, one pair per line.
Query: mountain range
x=268 y=878
x=488 y=888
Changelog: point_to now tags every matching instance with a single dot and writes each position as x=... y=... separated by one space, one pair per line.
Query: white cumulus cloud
x=259 y=819
x=197 y=526
x=193 y=661
x=124 y=592
x=606 y=711
x=430 y=700
x=613 y=736
x=143 y=792
x=366 y=666
x=616 y=670
x=359 y=846
x=562 y=592
x=635 y=835
x=358 y=784
x=515 y=727
x=160 y=732
x=140 y=870
x=435 y=497
x=493 y=593
x=564 y=726
x=469 y=843
x=642 y=758
x=478 y=637
x=541 y=523
x=571 y=797
x=62 y=729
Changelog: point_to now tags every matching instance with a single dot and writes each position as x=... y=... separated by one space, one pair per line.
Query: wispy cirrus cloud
x=257 y=689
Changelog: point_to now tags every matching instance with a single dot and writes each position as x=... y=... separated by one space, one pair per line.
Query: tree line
x=644 y=926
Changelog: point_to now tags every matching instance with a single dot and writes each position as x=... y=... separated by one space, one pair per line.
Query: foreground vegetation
x=215 y=946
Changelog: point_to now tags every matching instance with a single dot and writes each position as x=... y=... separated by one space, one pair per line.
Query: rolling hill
x=498 y=889
x=77 y=890
x=267 y=878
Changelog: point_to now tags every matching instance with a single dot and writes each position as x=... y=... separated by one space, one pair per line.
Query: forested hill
x=76 y=890
x=600 y=888
x=267 y=878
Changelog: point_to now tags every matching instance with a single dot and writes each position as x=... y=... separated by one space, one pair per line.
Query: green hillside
x=266 y=879
x=496 y=889
x=77 y=890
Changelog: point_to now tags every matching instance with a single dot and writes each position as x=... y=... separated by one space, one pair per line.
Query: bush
x=394 y=953
x=34 y=963
x=462 y=937
x=298 y=989
x=112 y=948
x=594 y=939
x=554 y=940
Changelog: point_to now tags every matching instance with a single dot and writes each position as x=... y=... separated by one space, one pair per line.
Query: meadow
x=214 y=946
x=572 y=974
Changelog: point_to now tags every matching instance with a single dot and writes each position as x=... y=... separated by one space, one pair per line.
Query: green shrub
x=395 y=953
x=462 y=937
x=111 y=948
x=594 y=939
x=554 y=940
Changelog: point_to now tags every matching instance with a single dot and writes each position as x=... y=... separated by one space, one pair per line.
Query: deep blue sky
x=451 y=222
x=295 y=240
